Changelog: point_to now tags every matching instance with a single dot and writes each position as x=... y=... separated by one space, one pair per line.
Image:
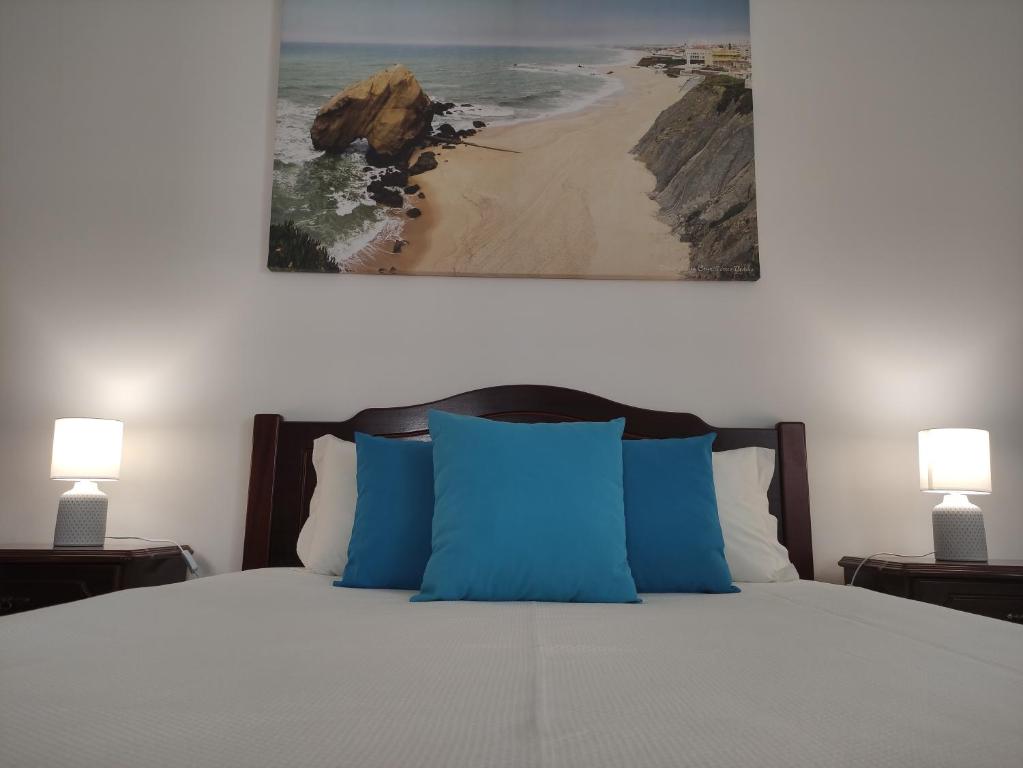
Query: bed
x=273 y=666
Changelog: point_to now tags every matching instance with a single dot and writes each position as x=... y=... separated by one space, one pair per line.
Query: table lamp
x=956 y=462
x=85 y=451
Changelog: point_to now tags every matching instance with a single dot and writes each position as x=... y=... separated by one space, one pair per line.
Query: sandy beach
x=568 y=201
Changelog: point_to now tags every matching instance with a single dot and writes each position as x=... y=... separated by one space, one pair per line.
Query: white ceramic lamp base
x=81 y=517
x=959 y=530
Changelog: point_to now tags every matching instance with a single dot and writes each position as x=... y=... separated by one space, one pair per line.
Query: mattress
x=276 y=667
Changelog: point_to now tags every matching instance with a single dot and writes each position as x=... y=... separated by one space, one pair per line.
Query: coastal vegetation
x=292 y=250
x=732 y=89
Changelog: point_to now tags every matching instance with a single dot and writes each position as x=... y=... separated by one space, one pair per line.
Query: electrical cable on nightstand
x=193 y=566
x=876 y=554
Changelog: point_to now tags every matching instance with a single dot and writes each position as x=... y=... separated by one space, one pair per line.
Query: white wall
x=134 y=183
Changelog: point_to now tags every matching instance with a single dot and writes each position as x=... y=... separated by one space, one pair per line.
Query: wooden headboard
x=282 y=479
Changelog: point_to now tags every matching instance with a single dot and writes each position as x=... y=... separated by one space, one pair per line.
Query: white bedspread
x=278 y=668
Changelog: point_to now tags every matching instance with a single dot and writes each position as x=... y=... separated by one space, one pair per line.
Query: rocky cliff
x=389 y=110
x=700 y=150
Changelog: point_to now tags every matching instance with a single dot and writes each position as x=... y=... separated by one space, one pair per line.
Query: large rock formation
x=388 y=109
x=700 y=151
x=426 y=161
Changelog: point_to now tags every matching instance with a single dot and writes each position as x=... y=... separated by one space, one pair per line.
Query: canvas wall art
x=522 y=138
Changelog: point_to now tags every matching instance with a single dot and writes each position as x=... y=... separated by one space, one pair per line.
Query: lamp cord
x=863 y=562
x=193 y=566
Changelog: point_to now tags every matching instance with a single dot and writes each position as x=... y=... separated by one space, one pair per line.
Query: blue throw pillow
x=671 y=517
x=527 y=512
x=390 y=541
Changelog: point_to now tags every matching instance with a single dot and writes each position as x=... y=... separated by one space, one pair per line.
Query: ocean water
x=325 y=195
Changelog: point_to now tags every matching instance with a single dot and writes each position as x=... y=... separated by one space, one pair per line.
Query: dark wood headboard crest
x=282 y=479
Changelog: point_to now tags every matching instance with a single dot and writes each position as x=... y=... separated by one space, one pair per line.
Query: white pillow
x=323 y=541
x=752 y=549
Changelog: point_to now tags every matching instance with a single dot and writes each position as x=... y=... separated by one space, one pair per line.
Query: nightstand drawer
x=997 y=599
x=993 y=588
x=38 y=576
x=24 y=586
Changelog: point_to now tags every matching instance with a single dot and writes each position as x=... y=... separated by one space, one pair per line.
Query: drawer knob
x=12 y=603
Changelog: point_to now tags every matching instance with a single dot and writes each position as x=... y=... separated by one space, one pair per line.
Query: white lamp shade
x=86 y=449
x=955 y=461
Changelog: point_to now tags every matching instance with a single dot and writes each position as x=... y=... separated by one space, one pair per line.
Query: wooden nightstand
x=34 y=576
x=992 y=589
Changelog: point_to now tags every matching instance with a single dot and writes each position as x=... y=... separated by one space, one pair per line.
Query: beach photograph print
x=515 y=138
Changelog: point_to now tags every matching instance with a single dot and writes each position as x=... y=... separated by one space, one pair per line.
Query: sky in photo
x=515 y=22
